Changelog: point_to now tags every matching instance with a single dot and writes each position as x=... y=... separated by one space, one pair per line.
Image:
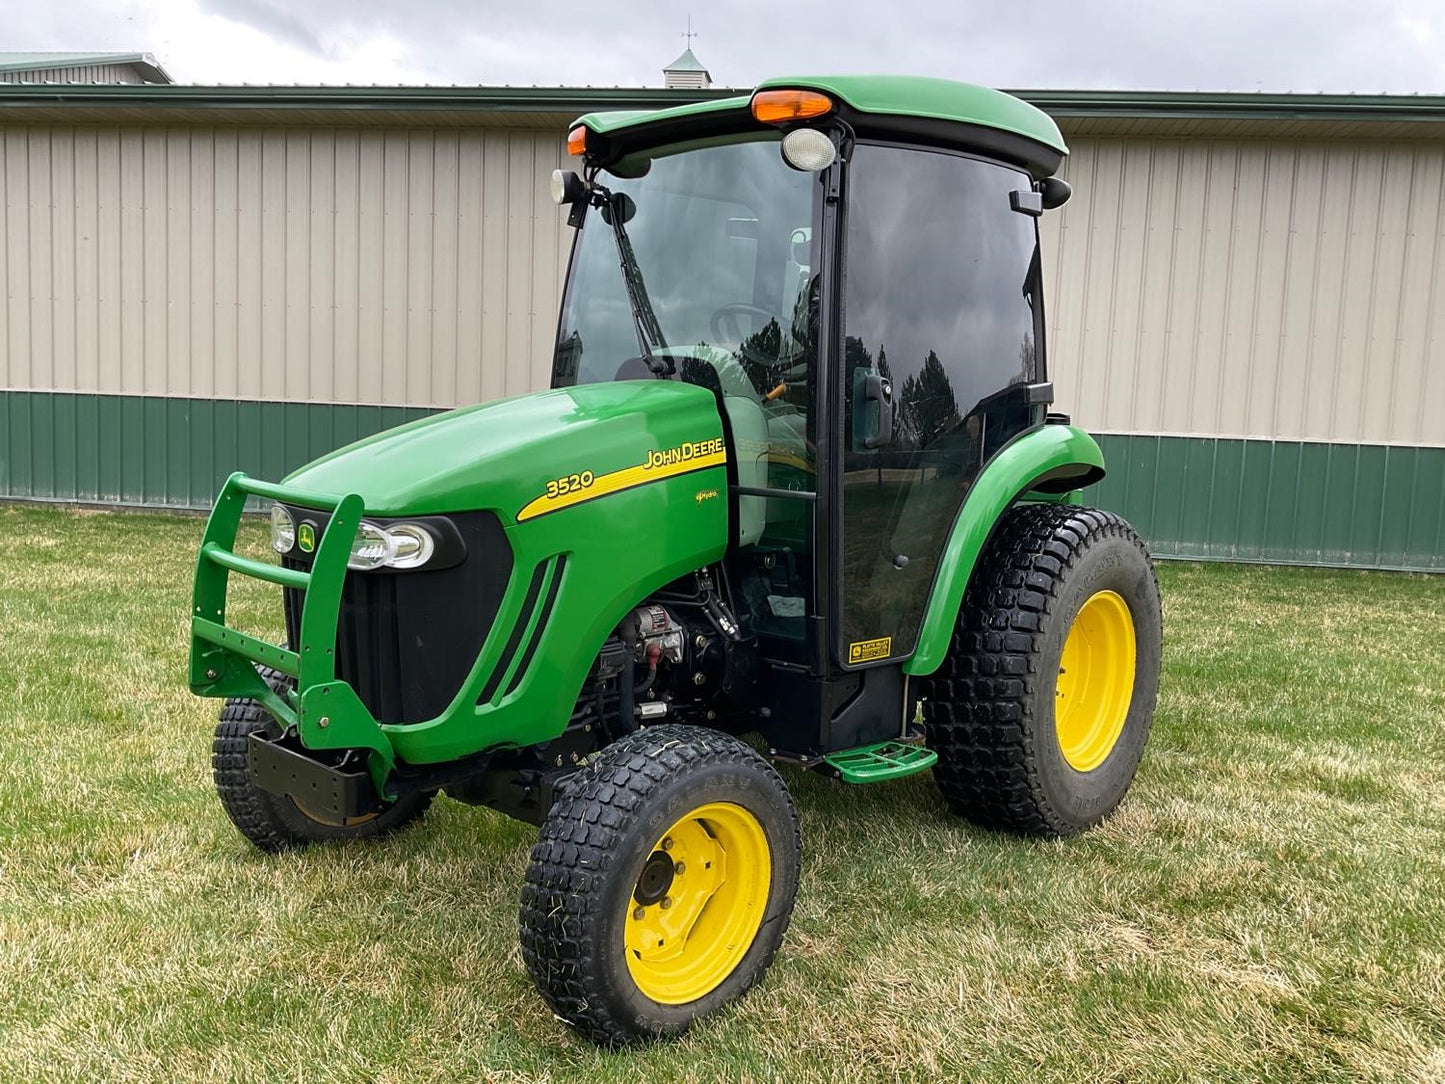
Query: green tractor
x=796 y=477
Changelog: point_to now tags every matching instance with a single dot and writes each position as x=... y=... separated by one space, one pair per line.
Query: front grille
x=406 y=640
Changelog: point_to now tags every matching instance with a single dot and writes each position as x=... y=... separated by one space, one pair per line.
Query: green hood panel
x=501 y=456
x=607 y=492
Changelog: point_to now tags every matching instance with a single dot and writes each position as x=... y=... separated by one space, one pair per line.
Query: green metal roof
x=29 y=62
x=570 y=100
x=1236 y=104
x=16 y=98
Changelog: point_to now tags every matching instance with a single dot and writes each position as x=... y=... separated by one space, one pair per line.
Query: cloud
x=1299 y=45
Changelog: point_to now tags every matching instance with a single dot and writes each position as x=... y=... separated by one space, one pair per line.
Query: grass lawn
x=1269 y=903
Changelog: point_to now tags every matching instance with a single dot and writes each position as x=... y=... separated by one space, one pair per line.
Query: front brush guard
x=325 y=712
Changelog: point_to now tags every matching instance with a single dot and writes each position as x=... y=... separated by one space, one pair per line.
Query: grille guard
x=561 y=599
x=326 y=713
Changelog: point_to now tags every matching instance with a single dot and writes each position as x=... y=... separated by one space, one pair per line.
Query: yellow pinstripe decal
x=606 y=484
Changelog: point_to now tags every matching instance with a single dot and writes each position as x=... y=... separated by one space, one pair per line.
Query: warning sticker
x=868 y=650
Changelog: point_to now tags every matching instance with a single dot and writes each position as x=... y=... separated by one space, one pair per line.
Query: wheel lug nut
x=679 y=869
x=667 y=843
x=666 y=902
x=640 y=913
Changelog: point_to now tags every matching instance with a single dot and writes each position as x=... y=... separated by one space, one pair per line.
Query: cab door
x=942 y=326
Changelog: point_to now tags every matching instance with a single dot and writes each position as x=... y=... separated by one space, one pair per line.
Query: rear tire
x=272 y=822
x=1042 y=706
x=661 y=885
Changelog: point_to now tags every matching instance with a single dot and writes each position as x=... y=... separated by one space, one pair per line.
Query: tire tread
x=258 y=814
x=574 y=854
x=977 y=710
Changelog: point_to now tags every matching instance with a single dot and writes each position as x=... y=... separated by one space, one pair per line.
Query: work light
x=567 y=187
x=808 y=149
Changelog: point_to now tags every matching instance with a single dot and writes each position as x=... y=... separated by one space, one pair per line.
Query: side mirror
x=873 y=409
x=1055 y=192
x=620 y=208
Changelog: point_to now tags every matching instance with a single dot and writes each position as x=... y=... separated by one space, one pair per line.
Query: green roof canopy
x=909 y=100
x=935 y=99
x=620 y=120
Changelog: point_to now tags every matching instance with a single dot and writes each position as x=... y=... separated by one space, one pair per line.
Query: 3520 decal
x=570 y=483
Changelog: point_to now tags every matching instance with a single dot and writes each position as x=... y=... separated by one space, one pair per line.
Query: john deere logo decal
x=660 y=463
x=306 y=536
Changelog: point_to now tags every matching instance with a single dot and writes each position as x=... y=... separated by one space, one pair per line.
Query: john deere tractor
x=796 y=480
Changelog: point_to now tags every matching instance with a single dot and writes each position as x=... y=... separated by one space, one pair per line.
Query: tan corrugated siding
x=299 y=264
x=1239 y=288
x=1255 y=289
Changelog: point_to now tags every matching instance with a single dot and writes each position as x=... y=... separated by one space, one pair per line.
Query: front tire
x=1043 y=704
x=661 y=885
x=272 y=822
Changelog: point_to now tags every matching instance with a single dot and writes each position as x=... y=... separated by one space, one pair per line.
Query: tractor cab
x=861 y=292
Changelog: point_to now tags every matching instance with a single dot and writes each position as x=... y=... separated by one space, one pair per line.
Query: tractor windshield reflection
x=722 y=245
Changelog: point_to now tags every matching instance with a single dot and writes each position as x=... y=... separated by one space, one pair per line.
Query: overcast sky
x=1329 y=45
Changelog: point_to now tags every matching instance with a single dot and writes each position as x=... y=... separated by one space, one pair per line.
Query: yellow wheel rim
x=344 y=822
x=1096 y=681
x=698 y=903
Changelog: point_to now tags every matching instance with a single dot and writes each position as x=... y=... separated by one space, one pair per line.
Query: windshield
x=721 y=244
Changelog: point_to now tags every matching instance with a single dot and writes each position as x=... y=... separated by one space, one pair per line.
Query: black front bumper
x=326 y=793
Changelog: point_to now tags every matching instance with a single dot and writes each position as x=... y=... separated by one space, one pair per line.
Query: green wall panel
x=1292 y=502
x=163 y=452
x=1288 y=502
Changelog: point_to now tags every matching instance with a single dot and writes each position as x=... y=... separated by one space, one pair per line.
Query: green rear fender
x=1057 y=457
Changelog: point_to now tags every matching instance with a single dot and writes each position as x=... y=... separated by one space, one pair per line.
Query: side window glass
x=939 y=304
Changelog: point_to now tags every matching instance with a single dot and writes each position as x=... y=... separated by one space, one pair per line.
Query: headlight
x=399 y=545
x=411 y=545
x=371 y=548
x=283 y=530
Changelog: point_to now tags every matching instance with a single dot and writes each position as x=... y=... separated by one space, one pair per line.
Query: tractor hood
x=528 y=455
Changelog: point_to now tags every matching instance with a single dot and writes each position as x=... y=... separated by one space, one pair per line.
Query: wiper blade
x=644 y=319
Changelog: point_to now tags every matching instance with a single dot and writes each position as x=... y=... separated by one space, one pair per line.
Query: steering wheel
x=726 y=323
x=726 y=327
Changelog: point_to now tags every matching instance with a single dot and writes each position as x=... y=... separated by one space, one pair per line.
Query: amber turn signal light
x=781 y=106
x=577 y=140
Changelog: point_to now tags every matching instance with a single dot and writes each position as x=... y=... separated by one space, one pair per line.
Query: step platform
x=881 y=762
